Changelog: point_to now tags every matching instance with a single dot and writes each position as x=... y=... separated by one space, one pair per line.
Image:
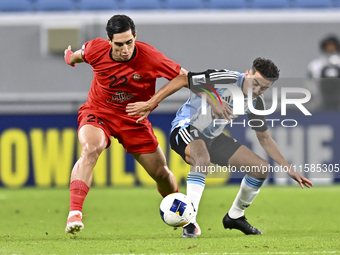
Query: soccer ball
x=176 y=209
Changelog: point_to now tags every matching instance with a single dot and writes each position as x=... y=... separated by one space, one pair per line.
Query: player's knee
x=202 y=161
x=262 y=170
x=266 y=169
x=162 y=173
x=90 y=153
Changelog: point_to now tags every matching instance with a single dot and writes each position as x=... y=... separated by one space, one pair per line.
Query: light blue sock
x=249 y=189
x=195 y=187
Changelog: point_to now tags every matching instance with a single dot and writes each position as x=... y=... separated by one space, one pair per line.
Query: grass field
x=127 y=221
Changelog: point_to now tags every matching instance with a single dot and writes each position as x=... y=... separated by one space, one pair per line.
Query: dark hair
x=266 y=68
x=329 y=39
x=119 y=24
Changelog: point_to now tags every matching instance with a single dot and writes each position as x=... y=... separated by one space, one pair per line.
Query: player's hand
x=302 y=181
x=68 y=48
x=222 y=111
x=142 y=109
x=67 y=56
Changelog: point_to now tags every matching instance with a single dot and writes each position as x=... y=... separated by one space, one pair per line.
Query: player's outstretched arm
x=72 y=58
x=144 y=108
x=270 y=146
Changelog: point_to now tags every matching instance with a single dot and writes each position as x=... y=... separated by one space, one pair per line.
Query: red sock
x=164 y=195
x=78 y=192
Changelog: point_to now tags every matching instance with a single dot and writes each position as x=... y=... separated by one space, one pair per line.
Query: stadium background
x=40 y=94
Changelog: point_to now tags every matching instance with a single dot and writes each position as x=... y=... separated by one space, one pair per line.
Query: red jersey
x=115 y=84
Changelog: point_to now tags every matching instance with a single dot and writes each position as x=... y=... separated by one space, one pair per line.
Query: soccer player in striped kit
x=197 y=136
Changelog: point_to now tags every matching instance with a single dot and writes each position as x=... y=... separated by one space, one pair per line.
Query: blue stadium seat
x=55 y=5
x=185 y=4
x=15 y=6
x=270 y=4
x=313 y=3
x=95 y=5
x=141 y=5
x=227 y=4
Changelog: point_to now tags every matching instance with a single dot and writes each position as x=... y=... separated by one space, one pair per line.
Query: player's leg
x=142 y=144
x=199 y=158
x=245 y=159
x=93 y=141
x=189 y=144
x=140 y=141
x=156 y=166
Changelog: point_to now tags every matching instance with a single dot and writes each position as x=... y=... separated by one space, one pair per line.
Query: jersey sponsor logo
x=198 y=79
x=120 y=97
x=136 y=77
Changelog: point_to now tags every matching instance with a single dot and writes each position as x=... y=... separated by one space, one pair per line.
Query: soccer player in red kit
x=125 y=71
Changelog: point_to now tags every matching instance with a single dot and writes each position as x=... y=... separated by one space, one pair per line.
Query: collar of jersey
x=133 y=56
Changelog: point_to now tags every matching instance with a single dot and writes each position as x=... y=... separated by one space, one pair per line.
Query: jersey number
x=115 y=79
x=195 y=132
x=92 y=118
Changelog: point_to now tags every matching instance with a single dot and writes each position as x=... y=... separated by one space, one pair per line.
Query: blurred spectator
x=325 y=72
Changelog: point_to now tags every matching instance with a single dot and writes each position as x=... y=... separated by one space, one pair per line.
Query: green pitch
x=126 y=220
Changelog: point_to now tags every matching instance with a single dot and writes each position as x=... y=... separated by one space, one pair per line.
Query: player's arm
x=168 y=89
x=183 y=71
x=185 y=79
x=72 y=58
x=270 y=146
x=144 y=108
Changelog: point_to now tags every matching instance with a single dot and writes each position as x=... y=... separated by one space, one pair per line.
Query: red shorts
x=135 y=137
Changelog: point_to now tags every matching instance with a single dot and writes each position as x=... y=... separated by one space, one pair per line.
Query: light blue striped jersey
x=190 y=112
